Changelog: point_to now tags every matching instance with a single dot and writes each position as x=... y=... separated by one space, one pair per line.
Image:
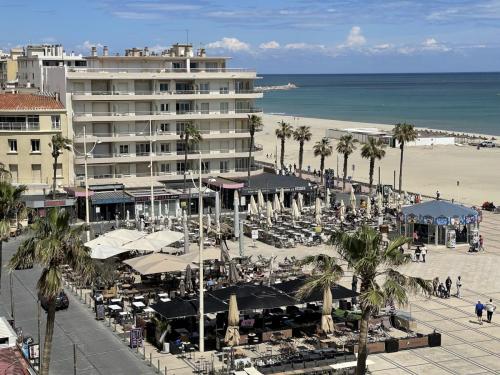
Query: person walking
x=490 y=308
x=435 y=284
x=459 y=285
x=479 y=312
x=423 y=253
x=448 y=283
x=481 y=241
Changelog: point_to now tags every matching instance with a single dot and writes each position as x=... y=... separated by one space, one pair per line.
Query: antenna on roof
x=187 y=36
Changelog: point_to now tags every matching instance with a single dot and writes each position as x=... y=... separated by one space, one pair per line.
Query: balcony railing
x=166 y=93
x=159 y=70
x=178 y=153
x=19 y=126
x=159 y=113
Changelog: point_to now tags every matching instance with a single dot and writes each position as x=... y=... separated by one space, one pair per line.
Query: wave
x=288 y=86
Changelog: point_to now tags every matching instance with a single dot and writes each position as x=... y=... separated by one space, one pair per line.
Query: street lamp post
x=87 y=220
x=202 y=304
x=151 y=171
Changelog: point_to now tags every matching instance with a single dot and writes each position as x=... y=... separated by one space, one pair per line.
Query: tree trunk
x=301 y=155
x=49 y=332
x=401 y=167
x=345 y=171
x=282 y=156
x=250 y=155
x=321 y=167
x=1 y=263
x=372 y=166
x=362 y=349
x=55 y=178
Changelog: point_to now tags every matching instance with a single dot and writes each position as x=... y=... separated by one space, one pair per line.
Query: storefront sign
x=135 y=337
x=255 y=234
x=441 y=220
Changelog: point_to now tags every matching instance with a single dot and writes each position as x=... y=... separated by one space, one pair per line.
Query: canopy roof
x=180 y=308
x=103 y=240
x=439 y=212
x=125 y=234
x=167 y=236
x=291 y=287
x=158 y=263
x=145 y=244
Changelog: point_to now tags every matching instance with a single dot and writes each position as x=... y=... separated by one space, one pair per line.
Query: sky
x=275 y=36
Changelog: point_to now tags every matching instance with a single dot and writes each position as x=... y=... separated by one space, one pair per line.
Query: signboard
x=255 y=234
x=98 y=210
x=99 y=311
x=441 y=220
x=243 y=201
x=34 y=354
x=135 y=337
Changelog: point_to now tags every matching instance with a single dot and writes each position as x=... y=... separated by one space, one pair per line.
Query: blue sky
x=275 y=36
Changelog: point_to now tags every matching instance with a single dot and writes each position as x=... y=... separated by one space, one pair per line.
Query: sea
x=458 y=102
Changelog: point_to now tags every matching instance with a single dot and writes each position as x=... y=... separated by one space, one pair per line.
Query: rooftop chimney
x=105 y=51
x=146 y=51
x=93 y=51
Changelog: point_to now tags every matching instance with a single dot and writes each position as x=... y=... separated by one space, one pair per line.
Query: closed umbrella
x=342 y=211
x=128 y=216
x=317 y=211
x=269 y=213
x=368 y=209
x=236 y=204
x=189 y=278
x=232 y=337
x=233 y=273
x=300 y=202
x=209 y=224
x=282 y=197
x=295 y=210
x=182 y=288
x=260 y=200
x=186 y=232
x=253 y=206
x=352 y=200
x=326 y=318
x=276 y=204
x=380 y=206
x=327 y=198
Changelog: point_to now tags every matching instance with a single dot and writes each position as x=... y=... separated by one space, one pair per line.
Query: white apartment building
x=36 y=58
x=130 y=111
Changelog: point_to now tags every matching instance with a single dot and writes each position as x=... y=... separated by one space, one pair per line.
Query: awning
x=157 y=263
x=181 y=308
x=103 y=240
x=272 y=183
x=222 y=183
x=439 y=212
x=110 y=197
x=144 y=244
x=291 y=288
x=78 y=191
x=125 y=234
x=106 y=251
x=166 y=236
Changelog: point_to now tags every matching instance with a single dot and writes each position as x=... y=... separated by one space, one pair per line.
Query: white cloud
x=136 y=15
x=355 y=39
x=171 y=7
x=431 y=44
x=304 y=46
x=158 y=48
x=230 y=44
x=270 y=45
x=87 y=45
x=381 y=48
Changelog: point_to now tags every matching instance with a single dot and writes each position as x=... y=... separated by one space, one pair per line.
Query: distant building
x=37 y=58
x=8 y=68
x=361 y=134
x=27 y=124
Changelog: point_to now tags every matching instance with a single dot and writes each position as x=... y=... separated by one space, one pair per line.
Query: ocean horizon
x=458 y=102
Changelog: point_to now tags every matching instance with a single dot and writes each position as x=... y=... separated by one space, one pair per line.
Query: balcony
x=19 y=126
x=158 y=70
x=158 y=115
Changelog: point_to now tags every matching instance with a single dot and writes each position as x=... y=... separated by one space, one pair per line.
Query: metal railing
x=176 y=92
x=159 y=70
x=178 y=153
x=19 y=126
x=145 y=134
x=159 y=113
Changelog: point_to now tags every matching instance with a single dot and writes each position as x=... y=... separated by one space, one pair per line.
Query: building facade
x=9 y=68
x=27 y=124
x=130 y=111
x=36 y=59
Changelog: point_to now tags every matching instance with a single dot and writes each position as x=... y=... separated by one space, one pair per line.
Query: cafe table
x=138 y=304
x=114 y=307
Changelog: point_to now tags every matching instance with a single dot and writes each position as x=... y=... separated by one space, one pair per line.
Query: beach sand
x=425 y=169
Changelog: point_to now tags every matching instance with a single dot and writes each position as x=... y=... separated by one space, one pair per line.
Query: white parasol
x=352 y=200
x=269 y=213
x=252 y=209
x=260 y=200
x=327 y=198
x=300 y=202
x=276 y=204
x=342 y=211
x=368 y=213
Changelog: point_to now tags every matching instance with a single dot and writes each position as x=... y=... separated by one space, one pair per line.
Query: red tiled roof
x=18 y=102
x=11 y=362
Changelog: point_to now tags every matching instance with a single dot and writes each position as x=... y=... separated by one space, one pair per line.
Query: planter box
x=413 y=342
x=372 y=347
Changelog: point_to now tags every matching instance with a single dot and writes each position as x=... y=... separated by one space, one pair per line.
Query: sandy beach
x=425 y=169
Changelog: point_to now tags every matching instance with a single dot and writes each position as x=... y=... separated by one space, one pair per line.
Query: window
x=59 y=170
x=224 y=166
x=143 y=149
x=36 y=172
x=123 y=149
x=223 y=89
x=204 y=108
x=180 y=166
x=12 y=145
x=164 y=107
x=205 y=167
x=56 y=122
x=165 y=148
x=179 y=127
x=164 y=127
x=204 y=88
x=164 y=168
x=163 y=87
x=13 y=172
x=224 y=107
x=35 y=145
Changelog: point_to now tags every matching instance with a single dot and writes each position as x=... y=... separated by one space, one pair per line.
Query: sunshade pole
x=202 y=307
x=151 y=170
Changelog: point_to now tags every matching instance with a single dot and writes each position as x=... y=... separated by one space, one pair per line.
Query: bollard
x=115 y=325
x=124 y=335
x=144 y=352
x=158 y=369
x=150 y=359
x=165 y=370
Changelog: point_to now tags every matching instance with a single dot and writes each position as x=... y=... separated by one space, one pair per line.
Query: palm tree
x=58 y=144
x=323 y=149
x=4 y=172
x=403 y=133
x=10 y=205
x=346 y=147
x=302 y=134
x=254 y=124
x=52 y=244
x=284 y=132
x=373 y=149
x=375 y=265
x=191 y=136
x=326 y=273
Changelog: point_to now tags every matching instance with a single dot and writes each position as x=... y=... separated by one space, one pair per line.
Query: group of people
x=490 y=309
x=443 y=290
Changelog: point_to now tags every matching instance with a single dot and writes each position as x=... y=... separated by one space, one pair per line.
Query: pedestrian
x=479 y=312
x=441 y=290
x=438 y=195
x=415 y=236
x=423 y=252
x=294 y=166
x=308 y=169
x=459 y=285
x=435 y=284
x=417 y=254
x=490 y=308
x=481 y=241
x=448 y=283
